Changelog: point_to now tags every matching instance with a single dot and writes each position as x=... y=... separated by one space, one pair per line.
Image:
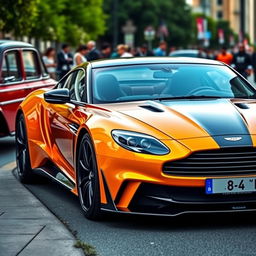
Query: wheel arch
x=82 y=132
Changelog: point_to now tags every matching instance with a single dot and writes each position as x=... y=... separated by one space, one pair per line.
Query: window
x=219 y=14
x=159 y=81
x=11 y=67
x=31 y=64
x=75 y=82
x=80 y=86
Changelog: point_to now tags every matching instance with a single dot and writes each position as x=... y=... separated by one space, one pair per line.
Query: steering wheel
x=195 y=91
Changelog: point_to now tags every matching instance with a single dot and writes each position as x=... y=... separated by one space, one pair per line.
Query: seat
x=108 y=88
x=183 y=82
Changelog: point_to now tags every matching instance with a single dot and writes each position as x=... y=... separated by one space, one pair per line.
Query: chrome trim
x=232 y=138
x=25 y=88
x=68 y=183
x=11 y=101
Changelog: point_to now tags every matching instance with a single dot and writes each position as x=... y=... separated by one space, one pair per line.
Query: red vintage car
x=21 y=72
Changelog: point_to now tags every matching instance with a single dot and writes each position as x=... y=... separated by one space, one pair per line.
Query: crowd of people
x=58 y=64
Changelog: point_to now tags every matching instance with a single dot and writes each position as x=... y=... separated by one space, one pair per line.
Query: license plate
x=231 y=185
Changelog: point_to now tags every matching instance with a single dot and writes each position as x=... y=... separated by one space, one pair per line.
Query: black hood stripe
x=218 y=117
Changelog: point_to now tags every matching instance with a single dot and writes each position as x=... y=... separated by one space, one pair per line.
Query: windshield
x=167 y=81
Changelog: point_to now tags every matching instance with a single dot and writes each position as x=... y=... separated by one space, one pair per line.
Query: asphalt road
x=210 y=234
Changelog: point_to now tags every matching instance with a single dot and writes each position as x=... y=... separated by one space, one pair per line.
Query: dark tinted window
x=31 y=64
x=11 y=67
x=219 y=14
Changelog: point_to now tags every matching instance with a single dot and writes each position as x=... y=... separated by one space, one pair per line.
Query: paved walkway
x=26 y=226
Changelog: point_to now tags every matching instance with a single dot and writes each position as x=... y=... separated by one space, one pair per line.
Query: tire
x=88 y=179
x=24 y=170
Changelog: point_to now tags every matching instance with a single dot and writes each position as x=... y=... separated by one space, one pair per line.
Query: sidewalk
x=26 y=226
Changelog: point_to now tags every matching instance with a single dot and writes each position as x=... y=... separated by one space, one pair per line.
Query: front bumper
x=153 y=199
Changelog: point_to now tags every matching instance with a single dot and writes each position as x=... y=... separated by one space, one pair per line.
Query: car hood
x=182 y=119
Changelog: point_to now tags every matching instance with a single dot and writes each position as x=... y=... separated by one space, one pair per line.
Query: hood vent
x=151 y=106
x=242 y=105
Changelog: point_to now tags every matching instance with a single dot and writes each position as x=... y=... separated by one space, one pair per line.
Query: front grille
x=226 y=161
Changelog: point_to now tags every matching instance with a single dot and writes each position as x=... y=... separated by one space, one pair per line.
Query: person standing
x=161 y=50
x=225 y=56
x=64 y=61
x=105 y=51
x=79 y=56
x=144 y=51
x=122 y=51
x=242 y=62
x=49 y=61
x=94 y=53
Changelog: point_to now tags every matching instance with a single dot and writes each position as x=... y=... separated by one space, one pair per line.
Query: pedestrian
x=122 y=51
x=79 y=56
x=105 y=51
x=94 y=53
x=143 y=51
x=50 y=61
x=210 y=54
x=171 y=49
x=242 y=62
x=201 y=53
x=161 y=50
x=254 y=63
x=225 y=56
x=64 y=61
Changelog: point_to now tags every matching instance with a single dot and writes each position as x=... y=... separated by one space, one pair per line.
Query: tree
x=84 y=20
x=71 y=21
x=175 y=14
x=49 y=23
x=17 y=16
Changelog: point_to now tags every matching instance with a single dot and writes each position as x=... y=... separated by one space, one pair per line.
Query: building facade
x=239 y=13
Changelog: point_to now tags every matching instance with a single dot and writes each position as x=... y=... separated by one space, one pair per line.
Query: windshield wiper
x=190 y=97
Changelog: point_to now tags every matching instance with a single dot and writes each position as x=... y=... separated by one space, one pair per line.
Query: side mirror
x=57 y=96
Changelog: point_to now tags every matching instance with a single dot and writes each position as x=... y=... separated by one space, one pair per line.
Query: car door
x=12 y=87
x=64 y=121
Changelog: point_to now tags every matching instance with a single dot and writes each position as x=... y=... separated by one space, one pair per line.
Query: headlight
x=139 y=142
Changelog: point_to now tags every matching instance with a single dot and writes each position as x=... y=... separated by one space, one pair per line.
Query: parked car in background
x=186 y=53
x=21 y=72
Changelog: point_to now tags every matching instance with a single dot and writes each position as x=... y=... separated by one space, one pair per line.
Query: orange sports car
x=161 y=136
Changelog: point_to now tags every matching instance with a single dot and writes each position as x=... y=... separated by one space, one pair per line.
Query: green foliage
x=71 y=21
x=84 y=20
x=175 y=13
x=17 y=16
x=49 y=21
x=88 y=249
